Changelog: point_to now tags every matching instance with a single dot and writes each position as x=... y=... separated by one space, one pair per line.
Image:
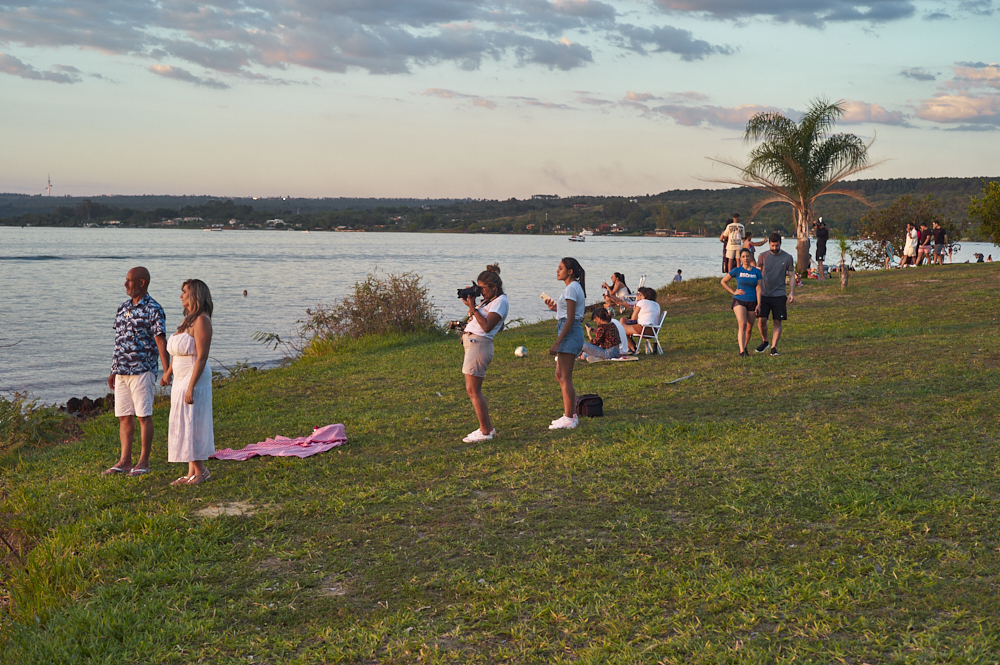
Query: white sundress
x=190 y=436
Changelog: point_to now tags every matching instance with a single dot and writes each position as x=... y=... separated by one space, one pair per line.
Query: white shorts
x=733 y=252
x=134 y=394
x=909 y=251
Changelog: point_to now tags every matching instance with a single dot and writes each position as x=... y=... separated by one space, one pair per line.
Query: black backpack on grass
x=591 y=406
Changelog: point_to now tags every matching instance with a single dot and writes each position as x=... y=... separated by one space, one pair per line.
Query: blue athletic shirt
x=746 y=279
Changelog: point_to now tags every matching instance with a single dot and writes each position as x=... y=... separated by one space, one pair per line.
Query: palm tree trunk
x=802 y=233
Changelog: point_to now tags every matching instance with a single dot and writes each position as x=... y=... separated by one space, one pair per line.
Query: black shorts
x=820 y=253
x=775 y=306
x=750 y=305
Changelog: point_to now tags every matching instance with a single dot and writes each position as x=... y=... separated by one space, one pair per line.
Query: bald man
x=140 y=335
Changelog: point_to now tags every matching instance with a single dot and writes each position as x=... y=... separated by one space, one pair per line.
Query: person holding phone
x=485 y=321
x=569 y=309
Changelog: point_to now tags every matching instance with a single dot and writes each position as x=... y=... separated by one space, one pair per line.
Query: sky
x=476 y=98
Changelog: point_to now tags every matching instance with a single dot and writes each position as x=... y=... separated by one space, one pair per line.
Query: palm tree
x=798 y=163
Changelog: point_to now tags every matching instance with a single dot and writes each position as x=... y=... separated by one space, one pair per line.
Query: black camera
x=470 y=292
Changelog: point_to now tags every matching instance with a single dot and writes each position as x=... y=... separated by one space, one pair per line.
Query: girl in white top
x=569 y=309
x=485 y=321
x=646 y=313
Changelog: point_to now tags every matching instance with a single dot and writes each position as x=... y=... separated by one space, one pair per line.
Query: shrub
x=378 y=306
x=22 y=421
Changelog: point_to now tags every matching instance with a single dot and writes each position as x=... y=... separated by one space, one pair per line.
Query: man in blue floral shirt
x=140 y=336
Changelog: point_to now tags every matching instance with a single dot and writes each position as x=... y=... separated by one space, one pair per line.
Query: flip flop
x=183 y=480
x=114 y=470
x=135 y=473
x=205 y=477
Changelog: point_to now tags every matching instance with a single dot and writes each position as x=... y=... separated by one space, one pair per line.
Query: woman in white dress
x=190 y=438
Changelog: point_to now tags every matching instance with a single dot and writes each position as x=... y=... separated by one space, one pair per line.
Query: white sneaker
x=475 y=436
x=565 y=423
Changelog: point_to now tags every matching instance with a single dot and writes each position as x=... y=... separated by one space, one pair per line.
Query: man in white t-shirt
x=733 y=237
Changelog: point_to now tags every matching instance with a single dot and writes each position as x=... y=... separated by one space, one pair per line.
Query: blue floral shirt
x=136 y=328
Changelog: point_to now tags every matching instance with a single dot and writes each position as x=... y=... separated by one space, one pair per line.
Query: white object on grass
x=520 y=352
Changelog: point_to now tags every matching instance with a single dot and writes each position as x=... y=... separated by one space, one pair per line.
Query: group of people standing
x=141 y=342
x=920 y=244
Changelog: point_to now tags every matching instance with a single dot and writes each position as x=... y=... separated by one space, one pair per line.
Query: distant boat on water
x=586 y=232
x=578 y=238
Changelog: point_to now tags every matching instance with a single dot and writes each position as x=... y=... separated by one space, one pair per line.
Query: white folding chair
x=631 y=298
x=652 y=336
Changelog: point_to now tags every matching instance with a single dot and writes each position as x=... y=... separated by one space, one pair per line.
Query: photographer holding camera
x=485 y=321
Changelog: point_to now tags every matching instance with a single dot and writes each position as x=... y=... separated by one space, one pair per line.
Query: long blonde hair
x=202 y=299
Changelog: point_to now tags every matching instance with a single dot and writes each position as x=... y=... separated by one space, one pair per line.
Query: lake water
x=60 y=288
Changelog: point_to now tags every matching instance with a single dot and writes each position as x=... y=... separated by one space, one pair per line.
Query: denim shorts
x=573 y=342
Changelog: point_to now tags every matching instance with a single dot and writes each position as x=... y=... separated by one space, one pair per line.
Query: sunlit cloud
x=961 y=108
x=860 y=112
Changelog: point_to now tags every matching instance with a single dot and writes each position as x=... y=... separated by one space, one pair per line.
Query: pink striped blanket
x=321 y=440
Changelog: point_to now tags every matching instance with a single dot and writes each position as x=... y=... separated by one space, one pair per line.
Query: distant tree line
x=702 y=212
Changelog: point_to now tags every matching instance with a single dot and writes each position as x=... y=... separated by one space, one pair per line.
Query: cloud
x=979 y=7
x=814 y=13
x=247 y=37
x=979 y=75
x=962 y=107
x=180 y=74
x=861 y=112
x=970 y=97
x=667 y=39
x=717 y=116
x=532 y=101
x=974 y=128
x=585 y=98
x=15 y=67
x=918 y=74
x=639 y=96
x=564 y=54
x=444 y=93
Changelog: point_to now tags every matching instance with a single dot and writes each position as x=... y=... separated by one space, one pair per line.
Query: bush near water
x=837 y=503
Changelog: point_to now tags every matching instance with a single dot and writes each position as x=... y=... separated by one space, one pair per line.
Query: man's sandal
x=115 y=470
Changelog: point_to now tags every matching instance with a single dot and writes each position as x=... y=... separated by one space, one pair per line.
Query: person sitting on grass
x=604 y=339
x=645 y=313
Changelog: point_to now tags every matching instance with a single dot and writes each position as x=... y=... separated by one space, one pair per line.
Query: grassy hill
x=837 y=503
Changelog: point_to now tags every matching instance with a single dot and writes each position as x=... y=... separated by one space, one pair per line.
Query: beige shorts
x=134 y=394
x=909 y=251
x=733 y=252
x=478 y=354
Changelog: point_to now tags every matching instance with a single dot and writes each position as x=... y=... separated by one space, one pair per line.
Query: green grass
x=839 y=503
